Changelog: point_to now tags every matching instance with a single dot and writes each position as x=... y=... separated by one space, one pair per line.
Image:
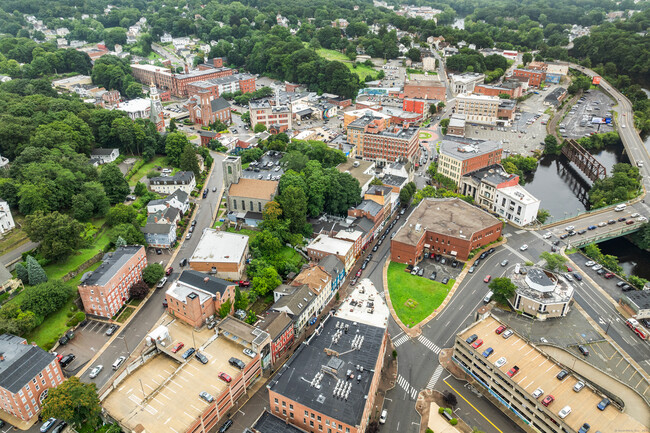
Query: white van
x=384 y=415
x=488 y=297
x=620 y=207
x=118 y=362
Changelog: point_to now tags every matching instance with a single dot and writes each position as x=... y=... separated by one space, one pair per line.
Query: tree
x=153 y=273
x=414 y=54
x=551 y=146
x=553 y=261
x=127 y=231
x=225 y=308
x=120 y=242
x=139 y=290
x=450 y=399
x=543 y=215
x=172 y=126
x=46 y=298
x=121 y=214
x=267 y=280
x=260 y=127
x=376 y=181
x=21 y=273
x=115 y=185
x=59 y=234
x=73 y=401
x=503 y=289
x=35 y=272
x=294 y=207
x=241 y=300
x=444 y=123
x=527 y=58
x=189 y=161
x=251 y=317
x=175 y=143
x=246 y=118
x=140 y=189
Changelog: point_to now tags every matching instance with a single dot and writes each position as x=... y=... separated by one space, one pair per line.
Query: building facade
x=6 y=219
x=280 y=328
x=478 y=108
x=323 y=246
x=425 y=89
x=379 y=142
x=159 y=235
x=221 y=253
x=516 y=204
x=104 y=290
x=535 y=77
x=205 y=109
x=176 y=84
x=465 y=83
x=457 y=158
x=271 y=115
x=541 y=294
x=183 y=180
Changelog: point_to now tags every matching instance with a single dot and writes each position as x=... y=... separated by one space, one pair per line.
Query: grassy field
x=58 y=270
x=413 y=297
x=361 y=70
x=14 y=238
x=142 y=171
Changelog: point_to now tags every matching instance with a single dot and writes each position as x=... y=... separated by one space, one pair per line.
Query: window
x=276 y=401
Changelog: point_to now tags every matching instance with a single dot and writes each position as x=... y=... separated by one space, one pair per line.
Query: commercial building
x=279 y=326
x=221 y=253
x=465 y=83
x=456 y=127
x=541 y=294
x=450 y=227
x=274 y=116
x=183 y=180
x=363 y=171
x=556 y=97
x=506 y=111
x=534 y=77
x=528 y=368
x=27 y=372
x=516 y=204
x=323 y=246
x=269 y=423
x=299 y=302
x=195 y=297
x=514 y=89
x=425 y=87
x=457 y=158
x=216 y=87
x=335 y=269
x=376 y=141
x=330 y=383
x=639 y=303
x=104 y=290
x=429 y=63
x=482 y=184
x=478 y=108
x=556 y=71
x=176 y=84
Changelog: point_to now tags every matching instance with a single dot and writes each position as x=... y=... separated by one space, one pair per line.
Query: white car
x=590 y=263
x=547 y=235
x=635 y=214
x=642 y=218
x=524 y=247
x=569 y=228
x=564 y=412
x=95 y=371
x=384 y=415
x=249 y=353
x=578 y=386
x=500 y=362
x=538 y=393
x=568 y=276
x=597 y=267
x=602 y=224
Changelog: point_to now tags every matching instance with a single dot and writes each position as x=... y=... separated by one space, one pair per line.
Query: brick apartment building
x=176 y=84
x=313 y=390
x=276 y=117
x=26 y=374
x=217 y=86
x=104 y=290
x=323 y=246
x=514 y=89
x=450 y=227
x=457 y=158
x=376 y=141
x=424 y=89
x=535 y=77
x=420 y=106
x=196 y=296
x=280 y=327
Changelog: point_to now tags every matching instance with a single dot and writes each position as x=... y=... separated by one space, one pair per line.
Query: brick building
x=244 y=83
x=205 y=110
x=176 y=84
x=371 y=210
x=196 y=296
x=377 y=141
x=465 y=83
x=514 y=89
x=420 y=106
x=535 y=77
x=280 y=327
x=27 y=372
x=104 y=290
x=313 y=391
x=323 y=246
x=457 y=158
x=221 y=253
x=424 y=89
x=271 y=115
x=450 y=227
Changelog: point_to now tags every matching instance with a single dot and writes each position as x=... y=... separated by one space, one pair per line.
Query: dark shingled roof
x=22 y=362
x=198 y=279
x=111 y=264
x=219 y=104
x=269 y=423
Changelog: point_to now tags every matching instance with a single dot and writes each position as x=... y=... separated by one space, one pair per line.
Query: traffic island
x=428 y=406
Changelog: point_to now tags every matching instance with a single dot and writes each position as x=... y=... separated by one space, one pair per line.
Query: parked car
x=169 y=271
x=548 y=400
x=471 y=269
x=562 y=375
x=472 y=338
x=604 y=403
x=500 y=362
x=47 y=425
x=538 y=393
x=111 y=330
x=500 y=329
x=384 y=415
x=225 y=377
x=445 y=280
x=178 y=346
x=514 y=370
x=226 y=425
x=433 y=276
x=206 y=396
x=507 y=334
x=583 y=350
x=59 y=428
x=238 y=363
x=189 y=352
x=243 y=283
x=578 y=386
x=201 y=357
x=250 y=353
x=95 y=371
x=66 y=360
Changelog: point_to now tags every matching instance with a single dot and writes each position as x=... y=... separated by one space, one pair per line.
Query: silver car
x=95 y=371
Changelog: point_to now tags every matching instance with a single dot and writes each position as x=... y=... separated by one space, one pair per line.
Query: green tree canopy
x=266 y=281
x=503 y=289
x=554 y=262
x=153 y=273
x=115 y=185
x=189 y=161
x=73 y=401
x=46 y=298
x=59 y=234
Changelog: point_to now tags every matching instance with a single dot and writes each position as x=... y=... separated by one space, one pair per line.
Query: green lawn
x=425 y=135
x=142 y=171
x=414 y=298
x=361 y=70
x=291 y=256
x=332 y=55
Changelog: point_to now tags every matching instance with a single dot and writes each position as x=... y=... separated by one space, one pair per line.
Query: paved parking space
x=87 y=341
x=577 y=122
x=268 y=167
x=442 y=271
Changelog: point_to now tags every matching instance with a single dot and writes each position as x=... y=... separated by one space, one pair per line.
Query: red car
x=548 y=400
x=569 y=269
x=225 y=377
x=477 y=343
x=243 y=283
x=359 y=273
x=629 y=222
x=608 y=275
x=514 y=370
x=59 y=357
x=169 y=271
x=177 y=347
x=487 y=279
x=500 y=329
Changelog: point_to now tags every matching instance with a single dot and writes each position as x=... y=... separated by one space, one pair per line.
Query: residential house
x=27 y=372
x=319 y=282
x=183 y=180
x=196 y=297
x=7 y=280
x=104 y=290
x=101 y=156
x=335 y=269
x=166 y=38
x=299 y=303
x=323 y=246
x=159 y=235
x=6 y=219
x=179 y=199
x=221 y=253
x=279 y=326
x=169 y=215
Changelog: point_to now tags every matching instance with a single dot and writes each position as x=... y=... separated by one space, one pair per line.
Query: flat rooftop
x=364 y=305
x=356 y=343
x=461 y=150
x=363 y=172
x=216 y=246
x=176 y=405
x=538 y=370
x=330 y=245
x=519 y=193
x=448 y=216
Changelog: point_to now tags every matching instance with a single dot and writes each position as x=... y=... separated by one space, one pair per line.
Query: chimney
x=206 y=279
x=187 y=69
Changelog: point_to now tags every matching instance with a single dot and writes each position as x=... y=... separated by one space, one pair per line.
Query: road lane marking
x=435 y=377
x=474 y=407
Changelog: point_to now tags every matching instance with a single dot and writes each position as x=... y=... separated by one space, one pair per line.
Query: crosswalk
x=401 y=340
x=403 y=383
x=435 y=377
x=429 y=344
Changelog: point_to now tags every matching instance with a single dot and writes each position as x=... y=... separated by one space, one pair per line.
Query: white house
x=6 y=220
x=183 y=180
x=165 y=38
x=516 y=204
x=102 y=156
x=179 y=200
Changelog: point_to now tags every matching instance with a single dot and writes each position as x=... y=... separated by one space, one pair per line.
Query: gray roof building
x=204 y=282
x=269 y=423
x=180 y=178
x=111 y=263
x=20 y=362
x=219 y=104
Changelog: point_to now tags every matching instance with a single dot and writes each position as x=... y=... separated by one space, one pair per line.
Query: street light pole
x=126 y=345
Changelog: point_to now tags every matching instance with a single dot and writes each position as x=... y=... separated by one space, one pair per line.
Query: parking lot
x=87 y=341
x=442 y=270
x=267 y=167
x=577 y=122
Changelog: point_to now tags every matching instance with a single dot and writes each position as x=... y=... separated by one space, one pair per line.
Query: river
x=632 y=259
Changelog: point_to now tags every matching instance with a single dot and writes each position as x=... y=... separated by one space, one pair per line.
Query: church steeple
x=155 y=111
